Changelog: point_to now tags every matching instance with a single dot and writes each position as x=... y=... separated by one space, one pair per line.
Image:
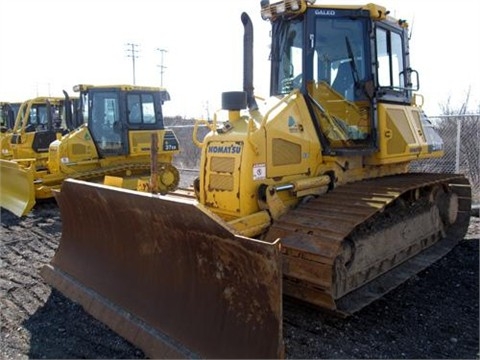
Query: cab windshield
x=341 y=60
x=325 y=54
x=335 y=53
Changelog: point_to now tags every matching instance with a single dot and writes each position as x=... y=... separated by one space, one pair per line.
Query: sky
x=50 y=45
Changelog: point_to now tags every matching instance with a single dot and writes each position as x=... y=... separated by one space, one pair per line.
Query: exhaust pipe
x=68 y=111
x=248 y=61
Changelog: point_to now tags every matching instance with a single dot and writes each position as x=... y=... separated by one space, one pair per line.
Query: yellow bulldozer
x=305 y=194
x=108 y=139
x=8 y=114
x=37 y=123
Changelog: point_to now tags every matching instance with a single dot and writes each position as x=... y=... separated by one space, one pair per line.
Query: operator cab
x=113 y=112
x=41 y=120
x=345 y=62
x=41 y=117
x=8 y=113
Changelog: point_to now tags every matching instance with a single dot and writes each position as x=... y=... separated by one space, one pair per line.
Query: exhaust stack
x=248 y=61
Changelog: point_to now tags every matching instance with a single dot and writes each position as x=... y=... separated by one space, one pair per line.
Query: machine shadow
x=61 y=329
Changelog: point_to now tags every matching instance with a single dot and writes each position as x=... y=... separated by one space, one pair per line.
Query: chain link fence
x=461 y=142
x=460 y=135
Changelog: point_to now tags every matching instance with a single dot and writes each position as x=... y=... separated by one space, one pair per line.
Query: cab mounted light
x=81 y=87
x=281 y=8
x=294 y=5
x=266 y=13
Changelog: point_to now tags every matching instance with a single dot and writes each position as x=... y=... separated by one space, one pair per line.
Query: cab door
x=105 y=123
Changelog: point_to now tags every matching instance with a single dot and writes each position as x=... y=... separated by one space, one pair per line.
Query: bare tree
x=460 y=131
x=447 y=108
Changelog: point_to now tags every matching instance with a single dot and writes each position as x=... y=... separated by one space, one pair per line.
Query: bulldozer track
x=127 y=170
x=95 y=174
x=318 y=237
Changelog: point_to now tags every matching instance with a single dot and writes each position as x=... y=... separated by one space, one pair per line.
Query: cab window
x=390 y=59
x=140 y=109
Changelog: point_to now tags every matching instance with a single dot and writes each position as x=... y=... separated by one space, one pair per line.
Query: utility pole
x=207 y=109
x=162 y=68
x=132 y=52
x=41 y=86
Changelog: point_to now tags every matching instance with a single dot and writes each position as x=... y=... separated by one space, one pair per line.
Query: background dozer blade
x=17 y=191
x=167 y=275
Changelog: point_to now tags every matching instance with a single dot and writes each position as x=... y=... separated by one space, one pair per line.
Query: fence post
x=457 y=146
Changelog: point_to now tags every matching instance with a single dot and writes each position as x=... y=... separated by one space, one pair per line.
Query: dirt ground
x=433 y=315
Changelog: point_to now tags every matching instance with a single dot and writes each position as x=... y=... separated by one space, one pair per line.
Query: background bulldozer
x=8 y=112
x=307 y=194
x=38 y=122
x=108 y=137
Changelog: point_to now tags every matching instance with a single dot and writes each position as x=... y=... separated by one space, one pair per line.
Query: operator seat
x=343 y=83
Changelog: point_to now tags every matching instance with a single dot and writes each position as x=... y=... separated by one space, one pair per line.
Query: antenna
x=411 y=29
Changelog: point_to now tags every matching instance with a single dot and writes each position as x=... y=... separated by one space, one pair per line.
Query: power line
x=132 y=52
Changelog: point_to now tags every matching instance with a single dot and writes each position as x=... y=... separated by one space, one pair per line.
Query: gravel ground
x=433 y=315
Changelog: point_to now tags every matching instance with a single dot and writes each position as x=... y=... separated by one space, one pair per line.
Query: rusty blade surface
x=167 y=275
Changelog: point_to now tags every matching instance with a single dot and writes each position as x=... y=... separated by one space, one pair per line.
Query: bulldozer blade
x=167 y=275
x=17 y=191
